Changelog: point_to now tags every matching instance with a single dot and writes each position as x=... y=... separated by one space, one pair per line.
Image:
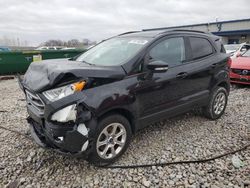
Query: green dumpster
x=18 y=62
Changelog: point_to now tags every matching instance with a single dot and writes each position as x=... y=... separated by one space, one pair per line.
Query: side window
x=171 y=51
x=200 y=47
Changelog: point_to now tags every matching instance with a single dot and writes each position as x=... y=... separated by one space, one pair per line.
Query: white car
x=68 y=48
x=231 y=48
x=49 y=48
x=243 y=48
x=236 y=50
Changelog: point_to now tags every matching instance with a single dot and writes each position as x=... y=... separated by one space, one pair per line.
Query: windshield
x=115 y=51
x=246 y=54
x=232 y=46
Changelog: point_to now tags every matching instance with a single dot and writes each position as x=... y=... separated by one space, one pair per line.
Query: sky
x=39 y=20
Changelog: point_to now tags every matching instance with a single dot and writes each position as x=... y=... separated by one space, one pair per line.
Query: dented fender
x=115 y=95
x=97 y=100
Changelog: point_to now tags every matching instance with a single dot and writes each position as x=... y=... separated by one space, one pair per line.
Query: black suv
x=90 y=106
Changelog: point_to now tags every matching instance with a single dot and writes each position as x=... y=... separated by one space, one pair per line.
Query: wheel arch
x=121 y=111
x=221 y=79
x=224 y=84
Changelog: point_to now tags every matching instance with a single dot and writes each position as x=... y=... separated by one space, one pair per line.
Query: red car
x=240 y=69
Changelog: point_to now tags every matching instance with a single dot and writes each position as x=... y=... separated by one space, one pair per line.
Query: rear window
x=220 y=47
x=201 y=47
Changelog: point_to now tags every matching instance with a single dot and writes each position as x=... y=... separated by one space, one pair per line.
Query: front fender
x=104 y=98
x=99 y=99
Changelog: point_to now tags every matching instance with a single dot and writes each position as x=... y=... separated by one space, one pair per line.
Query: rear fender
x=222 y=77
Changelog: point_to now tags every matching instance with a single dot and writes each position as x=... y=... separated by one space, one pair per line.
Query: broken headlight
x=61 y=92
x=66 y=114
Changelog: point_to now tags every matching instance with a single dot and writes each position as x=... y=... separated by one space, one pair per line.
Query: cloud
x=37 y=21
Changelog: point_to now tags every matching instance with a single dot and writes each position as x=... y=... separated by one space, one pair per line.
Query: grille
x=35 y=101
x=241 y=71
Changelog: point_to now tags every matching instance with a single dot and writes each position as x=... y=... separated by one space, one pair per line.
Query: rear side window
x=222 y=49
x=219 y=45
x=200 y=47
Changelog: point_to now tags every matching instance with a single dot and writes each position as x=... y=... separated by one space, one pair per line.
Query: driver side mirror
x=157 y=66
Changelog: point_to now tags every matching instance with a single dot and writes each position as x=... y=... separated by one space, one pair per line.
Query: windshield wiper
x=87 y=63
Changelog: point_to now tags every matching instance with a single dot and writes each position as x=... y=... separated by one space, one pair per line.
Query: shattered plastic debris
x=237 y=163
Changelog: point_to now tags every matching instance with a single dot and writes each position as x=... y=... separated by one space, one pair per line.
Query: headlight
x=58 y=93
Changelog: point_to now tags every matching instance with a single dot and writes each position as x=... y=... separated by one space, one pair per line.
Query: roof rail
x=128 y=32
x=168 y=30
x=187 y=30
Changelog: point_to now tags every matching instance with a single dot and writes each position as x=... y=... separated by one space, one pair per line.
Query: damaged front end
x=56 y=93
x=60 y=121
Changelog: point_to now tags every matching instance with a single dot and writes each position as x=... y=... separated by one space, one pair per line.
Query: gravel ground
x=189 y=136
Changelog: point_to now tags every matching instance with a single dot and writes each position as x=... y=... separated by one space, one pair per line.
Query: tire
x=217 y=103
x=106 y=146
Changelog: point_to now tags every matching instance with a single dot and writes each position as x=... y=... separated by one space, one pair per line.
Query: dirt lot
x=190 y=136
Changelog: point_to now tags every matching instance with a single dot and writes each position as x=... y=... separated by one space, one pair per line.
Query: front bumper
x=66 y=140
x=71 y=138
x=239 y=79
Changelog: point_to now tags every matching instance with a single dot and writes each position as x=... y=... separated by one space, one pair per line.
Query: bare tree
x=53 y=43
x=12 y=41
x=73 y=43
x=70 y=43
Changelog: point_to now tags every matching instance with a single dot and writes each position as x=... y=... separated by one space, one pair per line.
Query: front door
x=160 y=93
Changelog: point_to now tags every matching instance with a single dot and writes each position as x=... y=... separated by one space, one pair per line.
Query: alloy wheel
x=111 y=141
x=219 y=103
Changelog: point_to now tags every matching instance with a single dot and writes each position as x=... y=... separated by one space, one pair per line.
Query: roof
x=232 y=32
x=201 y=24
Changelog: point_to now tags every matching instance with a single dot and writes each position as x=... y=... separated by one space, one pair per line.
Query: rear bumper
x=239 y=79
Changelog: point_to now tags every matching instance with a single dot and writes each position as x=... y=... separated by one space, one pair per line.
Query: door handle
x=182 y=75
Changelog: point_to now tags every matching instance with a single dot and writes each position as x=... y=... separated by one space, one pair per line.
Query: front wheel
x=217 y=103
x=111 y=140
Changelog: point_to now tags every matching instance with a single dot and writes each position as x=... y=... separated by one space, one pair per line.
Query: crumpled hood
x=46 y=74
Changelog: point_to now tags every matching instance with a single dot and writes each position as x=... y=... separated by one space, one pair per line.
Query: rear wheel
x=111 y=140
x=217 y=103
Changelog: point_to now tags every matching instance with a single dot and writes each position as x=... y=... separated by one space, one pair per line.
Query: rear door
x=201 y=65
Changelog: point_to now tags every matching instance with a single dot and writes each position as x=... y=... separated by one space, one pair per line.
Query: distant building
x=231 y=31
